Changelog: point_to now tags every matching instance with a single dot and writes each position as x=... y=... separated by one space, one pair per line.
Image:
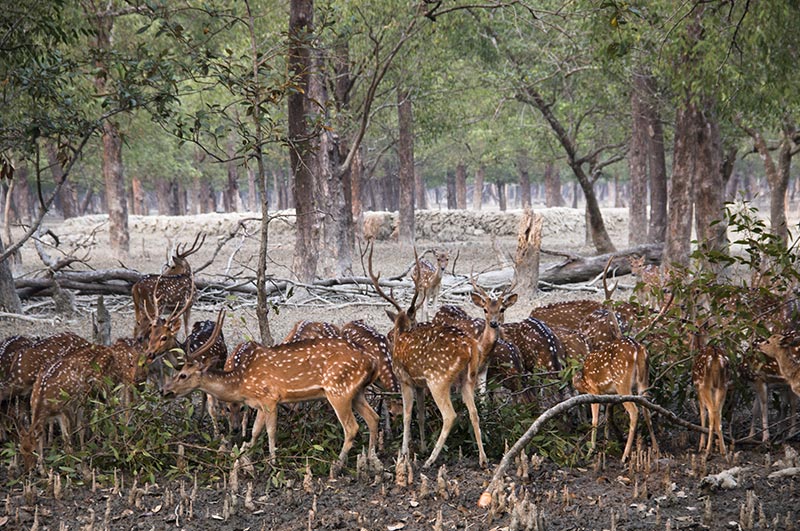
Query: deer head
x=180 y=266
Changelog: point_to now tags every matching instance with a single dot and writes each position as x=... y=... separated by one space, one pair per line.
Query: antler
x=181 y=251
x=376 y=280
x=608 y=292
x=153 y=318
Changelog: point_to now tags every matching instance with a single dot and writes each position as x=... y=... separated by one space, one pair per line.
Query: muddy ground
x=656 y=491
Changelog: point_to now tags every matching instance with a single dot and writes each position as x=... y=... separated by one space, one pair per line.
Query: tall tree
x=405 y=151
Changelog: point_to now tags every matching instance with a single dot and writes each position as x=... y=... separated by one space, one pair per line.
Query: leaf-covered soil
x=654 y=492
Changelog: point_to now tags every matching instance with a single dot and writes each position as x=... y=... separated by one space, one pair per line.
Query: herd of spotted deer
x=323 y=360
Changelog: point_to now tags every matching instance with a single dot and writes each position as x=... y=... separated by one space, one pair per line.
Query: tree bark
x=405 y=152
x=523 y=166
x=421 y=201
x=526 y=262
x=461 y=186
x=637 y=163
x=501 y=196
x=137 y=198
x=301 y=20
x=477 y=193
x=678 y=241
x=452 y=203
x=709 y=188
x=9 y=298
x=230 y=196
x=66 y=196
x=658 y=169
x=552 y=186
x=116 y=203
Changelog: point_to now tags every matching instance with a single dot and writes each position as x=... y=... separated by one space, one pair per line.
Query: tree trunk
x=138 y=198
x=116 y=203
x=231 y=192
x=709 y=188
x=405 y=152
x=777 y=177
x=477 y=193
x=66 y=196
x=552 y=186
x=678 y=242
x=526 y=262
x=600 y=238
x=421 y=201
x=356 y=194
x=301 y=19
x=658 y=169
x=523 y=166
x=452 y=202
x=9 y=298
x=637 y=163
x=501 y=196
x=461 y=186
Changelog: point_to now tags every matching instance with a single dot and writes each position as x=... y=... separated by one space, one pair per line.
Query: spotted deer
x=290 y=372
x=63 y=387
x=154 y=295
x=785 y=350
x=505 y=361
x=26 y=363
x=617 y=367
x=164 y=340
x=650 y=284
x=617 y=364
x=428 y=279
x=710 y=375
x=438 y=357
x=311 y=330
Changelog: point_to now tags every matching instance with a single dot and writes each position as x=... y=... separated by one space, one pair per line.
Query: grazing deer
x=785 y=350
x=538 y=346
x=710 y=375
x=438 y=357
x=26 y=363
x=617 y=367
x=290 y=372
x=65 y=384
x=566 y=314
x=312 y=330
x=153 y=295
x=428 y=280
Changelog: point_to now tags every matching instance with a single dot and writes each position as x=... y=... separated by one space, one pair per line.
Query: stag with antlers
x=172 y=291
x=438 y=357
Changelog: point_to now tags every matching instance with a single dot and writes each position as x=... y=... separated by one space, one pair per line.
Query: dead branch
x=561 y=408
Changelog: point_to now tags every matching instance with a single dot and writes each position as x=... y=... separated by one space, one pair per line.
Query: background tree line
x=334 y=107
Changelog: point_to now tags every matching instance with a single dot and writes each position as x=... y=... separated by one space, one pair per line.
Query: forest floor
x=655 y=491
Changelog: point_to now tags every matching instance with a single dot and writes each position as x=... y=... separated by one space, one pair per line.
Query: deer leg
x=441 y=395
x=719 y=402
x=595 y=420
x=468 y=397
x=633 y=413
x=419 y=394
x=342 y=405
x=407 y=393
x=363 y=408
x=211 y=409
x=703 y=417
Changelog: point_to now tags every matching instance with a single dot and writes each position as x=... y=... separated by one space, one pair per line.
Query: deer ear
x=392 y=315
x=175 y=325
x=510 y=300
x=477 y=300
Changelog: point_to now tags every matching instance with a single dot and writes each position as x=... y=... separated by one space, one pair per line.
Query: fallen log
x=584 y=268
